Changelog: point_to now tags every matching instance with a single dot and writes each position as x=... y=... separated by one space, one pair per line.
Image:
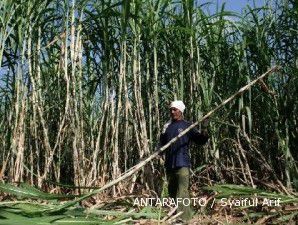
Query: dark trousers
x=178 y=187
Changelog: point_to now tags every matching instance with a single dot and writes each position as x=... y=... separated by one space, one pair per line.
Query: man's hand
x=204 y=126
x=160 y=159
x=205 y=123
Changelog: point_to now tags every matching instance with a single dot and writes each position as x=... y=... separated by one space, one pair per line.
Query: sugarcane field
x=148 y=112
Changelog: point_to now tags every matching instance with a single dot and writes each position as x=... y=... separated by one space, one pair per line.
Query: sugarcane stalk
x=141 y=164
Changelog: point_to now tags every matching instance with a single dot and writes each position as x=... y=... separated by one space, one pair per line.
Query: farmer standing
x=177 y=159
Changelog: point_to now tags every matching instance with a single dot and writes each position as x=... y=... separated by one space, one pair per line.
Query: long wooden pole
x=141 y=164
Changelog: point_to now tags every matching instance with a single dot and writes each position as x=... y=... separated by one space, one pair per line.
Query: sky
x=231 y=5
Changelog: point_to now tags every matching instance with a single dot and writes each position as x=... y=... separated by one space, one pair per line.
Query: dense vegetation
x=85 y=87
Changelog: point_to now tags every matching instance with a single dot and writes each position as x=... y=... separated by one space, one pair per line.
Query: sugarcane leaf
x=26 y=191
x=228 y=190
x=289 y=217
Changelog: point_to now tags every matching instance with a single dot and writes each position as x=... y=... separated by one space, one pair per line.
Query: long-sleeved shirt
x=177 y=154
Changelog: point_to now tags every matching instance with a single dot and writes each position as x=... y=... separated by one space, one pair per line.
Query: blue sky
x=231 y=5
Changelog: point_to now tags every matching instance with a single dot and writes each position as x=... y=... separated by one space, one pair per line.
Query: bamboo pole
x=141 y=164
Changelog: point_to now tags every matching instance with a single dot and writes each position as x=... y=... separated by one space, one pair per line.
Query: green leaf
x=26 y=191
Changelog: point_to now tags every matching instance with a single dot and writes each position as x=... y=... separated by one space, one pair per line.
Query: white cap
x=178 y=105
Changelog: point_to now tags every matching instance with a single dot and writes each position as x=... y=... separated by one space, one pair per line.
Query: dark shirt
x=177 y=155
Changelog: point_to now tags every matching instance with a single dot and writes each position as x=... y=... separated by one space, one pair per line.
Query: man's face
x=176 y=114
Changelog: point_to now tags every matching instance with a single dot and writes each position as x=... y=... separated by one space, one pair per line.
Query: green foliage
x=27 y=191
x=231 y=190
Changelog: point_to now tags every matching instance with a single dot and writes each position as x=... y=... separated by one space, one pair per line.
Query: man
x=177 y=159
